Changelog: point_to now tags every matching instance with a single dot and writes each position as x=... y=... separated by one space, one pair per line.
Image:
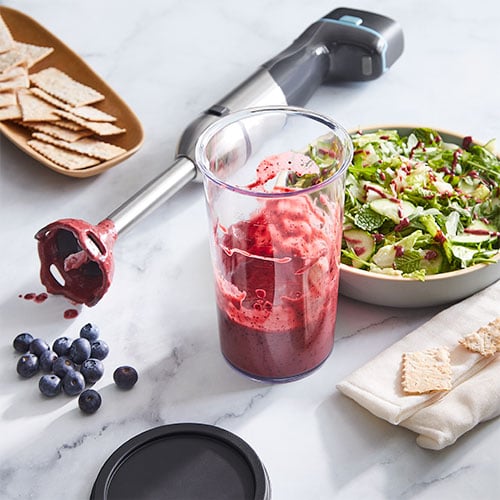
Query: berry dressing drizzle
x=277 y=286
x=77 y=259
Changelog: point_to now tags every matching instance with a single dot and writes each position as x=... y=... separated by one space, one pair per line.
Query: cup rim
x=201 y=159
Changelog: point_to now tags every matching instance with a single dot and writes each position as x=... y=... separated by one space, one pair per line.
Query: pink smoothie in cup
x=278 y=281
x=274 y=180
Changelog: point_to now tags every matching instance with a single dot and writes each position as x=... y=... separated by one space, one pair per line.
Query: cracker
x=71 y=126
x=92 y=114
x=35 y=109
x=99 y=128
x=13 y=73
x=8 y=98
x=485 y=340
x=62 y=157
x=33 y=53
x=426 y=371
x=90 y=147
x=19 y=82
x=6 y=40
x=10 y=112
x=57 y=83
x=89 y=113
x=10 y=59
x=52 y=129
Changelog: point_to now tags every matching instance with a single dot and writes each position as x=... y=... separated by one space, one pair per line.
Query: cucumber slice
x=361 y=243
x=393 y=209
x=432 y=260
x=385 y=257
x=477 y=232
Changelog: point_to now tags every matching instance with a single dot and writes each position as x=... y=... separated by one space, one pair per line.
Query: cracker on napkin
x=426 y=371
x=485 y=340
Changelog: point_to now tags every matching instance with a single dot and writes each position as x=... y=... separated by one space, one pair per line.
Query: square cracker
x=14 y=72
x=33 y=53
x=485 y=340
x=63 y=123
x=99 y=128
x=8 y=98
x=85 y=112
x=62 y=157
x=10 y=59
x=18 y=82
x=426 y=371
x=92 y=114
x=35 y=109
x=12 y=112
x=87 y=146
x=6 y=40
x=54 y=130
x=58 y=84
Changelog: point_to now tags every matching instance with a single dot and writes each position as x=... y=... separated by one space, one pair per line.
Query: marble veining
x=170 y=60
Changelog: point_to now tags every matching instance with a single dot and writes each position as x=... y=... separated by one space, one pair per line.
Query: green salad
x=416 y=205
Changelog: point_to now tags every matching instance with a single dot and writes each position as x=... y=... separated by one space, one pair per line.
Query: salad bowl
x=363 y=275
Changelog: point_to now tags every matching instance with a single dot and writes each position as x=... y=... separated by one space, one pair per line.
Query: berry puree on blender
x=278 y=281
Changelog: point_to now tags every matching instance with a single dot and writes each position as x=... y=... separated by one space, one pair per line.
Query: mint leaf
x=409 y=262
x=367 y=219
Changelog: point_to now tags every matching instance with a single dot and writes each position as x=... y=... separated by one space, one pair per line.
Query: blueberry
x=99 y=350
x=73 y=383
x=28 y=365
x=90 y=332
x=125 y=377
x=89 y=401
x=92 y=370
x=22 y=342
x=47 y=359
x=61 y=346
x=62 y=365
x=50 y=385
x=37 y=346
x=79 y=350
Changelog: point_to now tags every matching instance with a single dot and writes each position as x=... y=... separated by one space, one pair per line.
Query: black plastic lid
x=183 y=462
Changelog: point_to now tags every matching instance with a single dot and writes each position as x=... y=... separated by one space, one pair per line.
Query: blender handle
x=348 y=45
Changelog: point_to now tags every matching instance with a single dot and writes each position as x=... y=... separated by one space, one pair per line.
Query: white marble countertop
x=170 y=60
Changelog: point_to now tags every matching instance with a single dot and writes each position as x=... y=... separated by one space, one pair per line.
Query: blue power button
x=356 y=21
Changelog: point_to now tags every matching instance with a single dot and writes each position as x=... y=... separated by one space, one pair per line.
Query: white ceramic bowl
x=438 y=289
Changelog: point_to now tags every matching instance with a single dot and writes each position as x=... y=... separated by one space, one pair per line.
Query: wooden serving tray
x=25 y=29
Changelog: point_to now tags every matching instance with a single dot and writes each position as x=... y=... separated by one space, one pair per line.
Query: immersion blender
x=345 y=45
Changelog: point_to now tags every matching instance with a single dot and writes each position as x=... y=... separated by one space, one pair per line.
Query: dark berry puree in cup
x=277 y=289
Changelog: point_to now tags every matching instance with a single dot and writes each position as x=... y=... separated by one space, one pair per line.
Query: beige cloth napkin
x=440 y=418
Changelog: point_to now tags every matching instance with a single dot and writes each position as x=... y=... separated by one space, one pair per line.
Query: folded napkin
x=439 y=418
